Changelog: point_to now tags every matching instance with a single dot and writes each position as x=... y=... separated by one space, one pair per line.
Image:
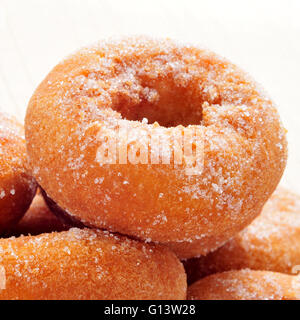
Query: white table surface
x=262 y=36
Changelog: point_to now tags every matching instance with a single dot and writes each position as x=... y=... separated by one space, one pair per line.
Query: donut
x=246 y=285
x=86 y=264
x=17 y=187
x=88 y=127
x=37 y=220
x=271 y=242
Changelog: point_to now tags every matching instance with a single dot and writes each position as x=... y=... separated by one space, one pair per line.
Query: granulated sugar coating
x=17 y=187
x=246 y=285
x=160 y=89
x=271 y=242
x=85 y=264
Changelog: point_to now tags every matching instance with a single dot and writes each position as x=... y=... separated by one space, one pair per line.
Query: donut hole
x=165 y=103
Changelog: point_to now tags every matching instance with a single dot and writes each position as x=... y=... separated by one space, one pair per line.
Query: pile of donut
x=79 y=222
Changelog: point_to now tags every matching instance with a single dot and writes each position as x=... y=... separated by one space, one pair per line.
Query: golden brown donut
x=271 y=242
x=155 y=88
x=17 y=187
x=86 y=264
x=37 y=220
x=246 y=285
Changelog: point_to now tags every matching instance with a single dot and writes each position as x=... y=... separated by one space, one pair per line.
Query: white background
x=262 y=36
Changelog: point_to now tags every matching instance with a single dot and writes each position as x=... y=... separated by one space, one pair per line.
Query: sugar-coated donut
x=271 y=242
x=155 y=89
x=37 y=220
x=86 y=264
x=246 y=285
x=17 y=187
